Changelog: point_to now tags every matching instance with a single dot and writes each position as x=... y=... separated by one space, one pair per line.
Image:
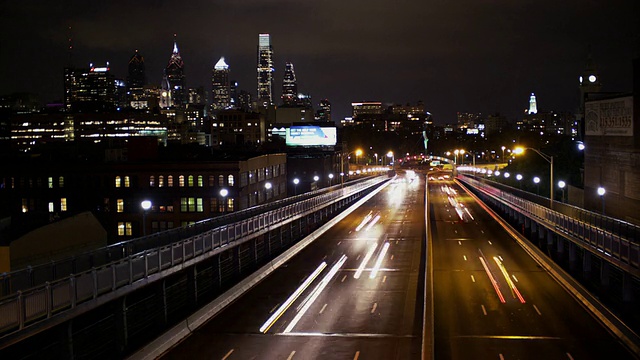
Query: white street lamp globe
x=267 y=185
x=601 y=191
x=519 y=177
x=316 y=178
x=224 y=192
x=561 y=184
x=146 y=205
x=296 y=181
x=536 y=179
x=506 y=175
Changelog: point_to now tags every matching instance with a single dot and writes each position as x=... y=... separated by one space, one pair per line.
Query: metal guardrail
x=26 y=278
x=608 y=241
x=29 y=307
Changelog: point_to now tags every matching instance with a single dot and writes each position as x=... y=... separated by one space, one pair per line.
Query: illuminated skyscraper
x=90 y=90
x=265 y=71
x=220 y=86
x=289 y=85
x=324 y=113
x=136 y=80
x=174 y=81
x=533 y=106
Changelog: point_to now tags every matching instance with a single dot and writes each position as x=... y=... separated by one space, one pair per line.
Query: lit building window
x=61 y=181
x=126 y=182
x=213 y=205
x=120 y=229
x=120 y=205
x=221 y=180
x=118 y=181
x=127 y=227
x=212 y=181
x=170 y=181
x=50 y=181
x=152 y=181
x=230 y=204
x=200 y=181
x=199 y=207
x=160 y=181
x=63 y=204
x=181 y=181
x=51 y=209
x=190 y=180
x=230 y=180
x=25 y=205
x=124 y=228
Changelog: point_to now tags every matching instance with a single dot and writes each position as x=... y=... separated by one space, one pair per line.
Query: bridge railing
x=26 y=308
x=613 y=240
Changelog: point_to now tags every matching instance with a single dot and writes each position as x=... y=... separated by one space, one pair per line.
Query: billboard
x=613 y=117
x=310 y=135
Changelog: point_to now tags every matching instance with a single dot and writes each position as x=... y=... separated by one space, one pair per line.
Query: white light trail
x=364 y=262
x=376 y=267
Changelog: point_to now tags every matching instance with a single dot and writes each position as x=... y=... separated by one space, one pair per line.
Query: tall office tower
x=90 y=90
x=289 y=85
x=324 y=113
x=173 y=80
x=136 y=80
x=221 y=88
x=233 y=93
x=244 y=100
x=533 y=106
x=265 y=71
x=70 y=84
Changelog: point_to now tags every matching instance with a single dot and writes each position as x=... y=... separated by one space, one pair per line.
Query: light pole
x=393 y=159
x=224 y=193
x=537 y=181
x=519 y=177
x=455 y=159
x=342 y=156
x=561 y=185
x=316 y=178
x=549 y=159
x=146 y=205
x=296 y=181
x=601 y=192
x=330 y=178
x=502 y=158
x=267 y=187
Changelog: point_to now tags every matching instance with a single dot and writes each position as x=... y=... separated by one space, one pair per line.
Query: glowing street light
x=146 y=205
x=330 y=178
x=296 y=181
x=561 y=185
x=519 y=177
x=224 y=193
x=601 y=192
x=536 y=180
x=549 y=159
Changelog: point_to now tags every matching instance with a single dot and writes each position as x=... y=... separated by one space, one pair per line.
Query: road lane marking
x=317 y=291
x=373 y=309
x=473 y=279
x=484 y=311
x=344 y=277
x=397 y=242
x=501 y=357
x=357 y=355
x=500 y=257
x=291 y=355
x=384 y=278
x=392 y=257
x=339 y=242
x=275 y=316
x=514 y=277
x=273 y=308
x=358 y=258
x=465 y=257
x=227 y=355
x=455 y=231
x=482 y=231
x=323 y=307
x=538 y=311
x=490 y=242
x=569 y=356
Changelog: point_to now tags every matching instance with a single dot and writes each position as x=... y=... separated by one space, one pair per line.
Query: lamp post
x=393 y=159
x=342 y=156
x=224 y=193
x=601 y=192
x=296 y=181
x=561 y=185
x=549 y=159
x=502 y=158
x=330 y=178
x=537 y=181
x=267 y=187
x=519 y=177
x=146 y=205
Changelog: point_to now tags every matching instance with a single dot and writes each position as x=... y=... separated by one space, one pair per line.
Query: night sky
x=455 y=55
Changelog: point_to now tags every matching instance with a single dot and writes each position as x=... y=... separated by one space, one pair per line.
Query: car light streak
x=325 y=281
x=513 y=287
x=493 y=281
x=467 y=211
x=364 y=262
x=364 y=221
x=285 y=305
x=372 y=222
x=376 y=268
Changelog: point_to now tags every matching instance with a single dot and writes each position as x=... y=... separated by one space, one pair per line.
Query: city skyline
x=473 y=58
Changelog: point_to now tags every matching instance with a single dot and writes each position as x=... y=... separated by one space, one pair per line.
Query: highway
x=493 y=301
x=354 y=293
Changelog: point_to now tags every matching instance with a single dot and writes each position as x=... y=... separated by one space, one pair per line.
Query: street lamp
x=316 y=178
x=519 y=177
x=502 y=158
x=146 y=205
x=296 y=181
x=393 y=159
x=537 y=181
x=549 y=159
x=342 y=156
x=267 y=187
x=601 y=192
x=330 y=178
x=561 y=185
x=224 y=193
x=358 y=153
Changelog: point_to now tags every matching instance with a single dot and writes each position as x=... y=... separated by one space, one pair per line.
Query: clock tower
x=589 y=81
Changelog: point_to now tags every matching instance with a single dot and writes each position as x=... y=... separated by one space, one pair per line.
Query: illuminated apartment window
x=25 y=205
x=120 y=205
x=63 y=204
x=199 y=207
x=118 y=181
x=124 y=228
x=200 y=181
x=152 y=181
x=213 y=205
x=127 y=183
x=160 y=181
x=120 y=229
x=231 y=180
x=212 y=181
x=51 y=209
x=170 y=181
x=221 y=180
x=50 y=182
x=181 y=181
x=61 y=181
x=230 y=204
x=221 y=206
x=190 y=180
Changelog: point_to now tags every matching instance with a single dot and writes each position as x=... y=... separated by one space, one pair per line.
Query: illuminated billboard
x=309 y=135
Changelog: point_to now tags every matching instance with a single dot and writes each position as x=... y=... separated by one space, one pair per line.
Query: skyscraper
x=90 y=90
x=533 y=106
x=173 y=80
x=324 y=113
x=136 y=80
x=289 y=85
x=220 y=86
x=265 y=71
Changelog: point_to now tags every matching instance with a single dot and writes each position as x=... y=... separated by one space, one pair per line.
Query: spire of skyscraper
x=220 y=86
x=174 y=80
x=533 y=106
x=289 y=85
x=265 y=70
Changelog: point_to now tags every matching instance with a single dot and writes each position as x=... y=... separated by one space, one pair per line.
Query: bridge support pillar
x=627 y=293
x=529 y=227
x=605 y=275
x=586 y=262
x=161 y=294
x=560 y=246
x=121 y=335
x=572 y=255
x=192 y=287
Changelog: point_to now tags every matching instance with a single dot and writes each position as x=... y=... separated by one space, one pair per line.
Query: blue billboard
x=309 y=135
